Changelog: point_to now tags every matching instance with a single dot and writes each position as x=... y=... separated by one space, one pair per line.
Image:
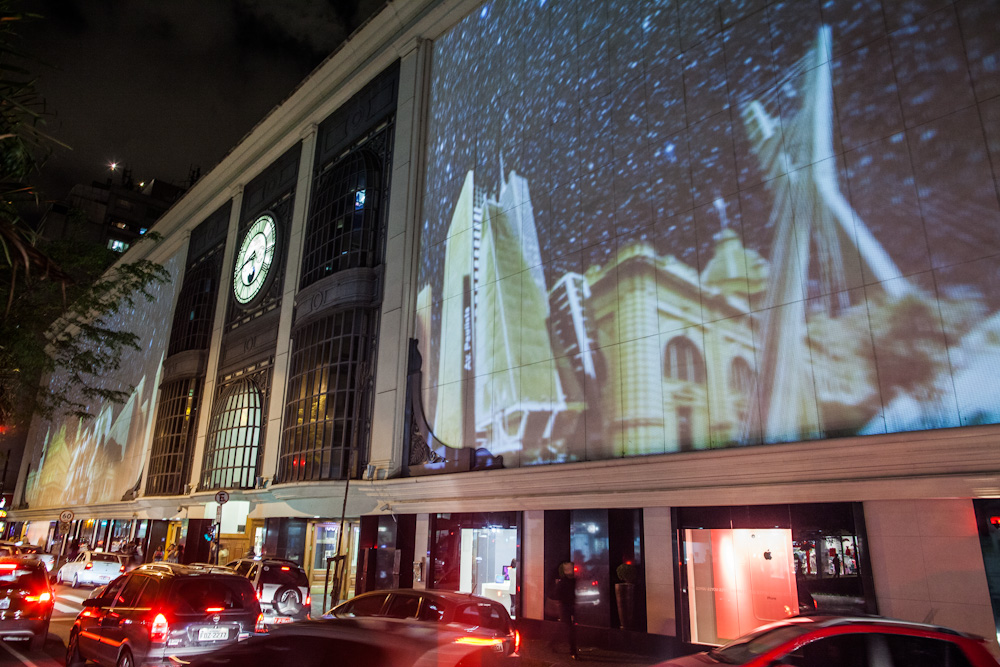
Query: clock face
x=253 y=261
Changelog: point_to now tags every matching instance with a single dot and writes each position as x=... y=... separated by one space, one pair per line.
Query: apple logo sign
x=767 y=555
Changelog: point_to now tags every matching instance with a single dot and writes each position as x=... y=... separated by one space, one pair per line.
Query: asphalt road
x=68 y=605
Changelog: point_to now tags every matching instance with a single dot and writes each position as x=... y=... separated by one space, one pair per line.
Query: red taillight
x=259 y=627
x=517 y=641
x=121 y=569
x=309 y=600
x=88 y=566
x=213 y=609
x=480 y=641
x=8 y=566
x=159 y=630
x=285 y=568
x=42 y=597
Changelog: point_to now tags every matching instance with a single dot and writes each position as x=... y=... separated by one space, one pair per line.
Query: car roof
x=23 y=560
x=879 y=621
x=182 y=569
x=451 y=596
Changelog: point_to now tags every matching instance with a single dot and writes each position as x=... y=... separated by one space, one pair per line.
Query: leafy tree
x=56 y=299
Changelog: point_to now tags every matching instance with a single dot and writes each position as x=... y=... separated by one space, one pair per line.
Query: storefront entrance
x=742 y=567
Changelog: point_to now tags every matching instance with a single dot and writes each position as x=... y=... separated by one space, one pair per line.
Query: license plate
x=104 y=577
x=283 y=619
x=5 y=603
x=212 y=634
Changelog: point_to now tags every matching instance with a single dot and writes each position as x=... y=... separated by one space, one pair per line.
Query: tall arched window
x=233 y=450
x=682 y=361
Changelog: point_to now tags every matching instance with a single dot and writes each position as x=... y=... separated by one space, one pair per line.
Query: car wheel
x=76 y=582
x=73 y=657
x=38 y=641
x=125 y=659
x=287 y=601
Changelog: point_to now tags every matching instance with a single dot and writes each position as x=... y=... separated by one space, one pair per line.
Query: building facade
x=706 y=288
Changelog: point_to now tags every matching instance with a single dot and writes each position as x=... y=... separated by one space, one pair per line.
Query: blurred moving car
x=842 y=641
x=375 y=642
x=90 y=568
x=163 y=614
x=282 y=587
x=471 y=615
x=26 y=600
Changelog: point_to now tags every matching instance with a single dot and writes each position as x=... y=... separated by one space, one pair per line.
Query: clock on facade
x=253 y=261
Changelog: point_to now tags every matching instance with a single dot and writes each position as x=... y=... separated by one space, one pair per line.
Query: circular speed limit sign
x=66 y=516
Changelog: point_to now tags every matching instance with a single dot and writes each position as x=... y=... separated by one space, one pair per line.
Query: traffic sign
x=222 y=497
x=66 y=516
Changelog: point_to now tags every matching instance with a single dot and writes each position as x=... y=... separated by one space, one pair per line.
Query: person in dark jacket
x=566 y=596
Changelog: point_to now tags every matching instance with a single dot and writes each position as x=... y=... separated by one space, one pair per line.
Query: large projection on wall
x=664 y=226
x=85 y=462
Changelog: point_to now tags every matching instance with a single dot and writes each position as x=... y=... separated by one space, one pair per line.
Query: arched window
x=682 y=361
x=232 y=454
x=343 y=228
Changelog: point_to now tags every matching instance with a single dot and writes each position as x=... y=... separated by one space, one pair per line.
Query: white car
x=38 y=553
x=91 y=568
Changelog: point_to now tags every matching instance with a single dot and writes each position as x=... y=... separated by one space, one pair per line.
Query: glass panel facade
x=343 y=229
x=988 y=521
x=326 y=413
x=231 y=457
x=192 y=326
x=173 y=437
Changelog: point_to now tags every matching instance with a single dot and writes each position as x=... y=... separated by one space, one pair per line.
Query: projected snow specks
x=652 y=227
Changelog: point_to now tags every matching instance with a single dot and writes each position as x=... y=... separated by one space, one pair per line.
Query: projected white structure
x=809 y=212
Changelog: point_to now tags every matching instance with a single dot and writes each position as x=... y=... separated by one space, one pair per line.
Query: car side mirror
x=91 y=602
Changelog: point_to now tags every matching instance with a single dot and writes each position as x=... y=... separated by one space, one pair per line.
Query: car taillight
x=480 y=641
x=88 y=566
x=42 y=597
x=517 y=641
x=309 y=600
x=212 y=610
x=259 y=627
x=122 y=568
x=159 y=630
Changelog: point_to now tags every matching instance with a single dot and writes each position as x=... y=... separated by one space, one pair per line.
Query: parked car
x=163 y=613
x=282 y=588
x=468 y=614
x=823 y=641
x=378 y=642
x=9 y=549
x=26 y=600
x=90 y=568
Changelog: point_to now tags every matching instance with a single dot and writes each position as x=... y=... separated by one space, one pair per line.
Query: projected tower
x=813 y=224
x=494 y=326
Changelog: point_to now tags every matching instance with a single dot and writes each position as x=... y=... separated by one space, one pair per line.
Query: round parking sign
x=222 y=497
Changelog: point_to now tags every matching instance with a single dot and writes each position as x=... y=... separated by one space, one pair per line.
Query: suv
x=282 y=588
x=26 y=600
x=163 y=614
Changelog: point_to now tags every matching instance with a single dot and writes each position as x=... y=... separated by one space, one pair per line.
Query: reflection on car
x=90 y=568
x=372 y=642
x=26 y=600
x=474 y=616
x=832 y=641
x=164 y=614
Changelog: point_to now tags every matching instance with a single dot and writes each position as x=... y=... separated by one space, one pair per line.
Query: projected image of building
x=703 y=292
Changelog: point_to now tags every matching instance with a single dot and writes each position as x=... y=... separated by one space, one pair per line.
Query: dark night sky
x=162 y=87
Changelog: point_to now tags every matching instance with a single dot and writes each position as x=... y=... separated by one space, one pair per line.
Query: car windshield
x=13 y=575
x=198 y=594
x=108 y=558
x=746 y=648
x=282 y=575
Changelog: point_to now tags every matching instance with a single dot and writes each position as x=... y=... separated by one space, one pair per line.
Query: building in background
x=701 y=295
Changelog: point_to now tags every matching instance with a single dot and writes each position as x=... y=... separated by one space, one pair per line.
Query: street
x=68 y=605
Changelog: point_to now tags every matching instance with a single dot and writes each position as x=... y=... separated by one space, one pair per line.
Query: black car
x=471 y=615
x=26 y=600
x=164 y=614
x=372 y=642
